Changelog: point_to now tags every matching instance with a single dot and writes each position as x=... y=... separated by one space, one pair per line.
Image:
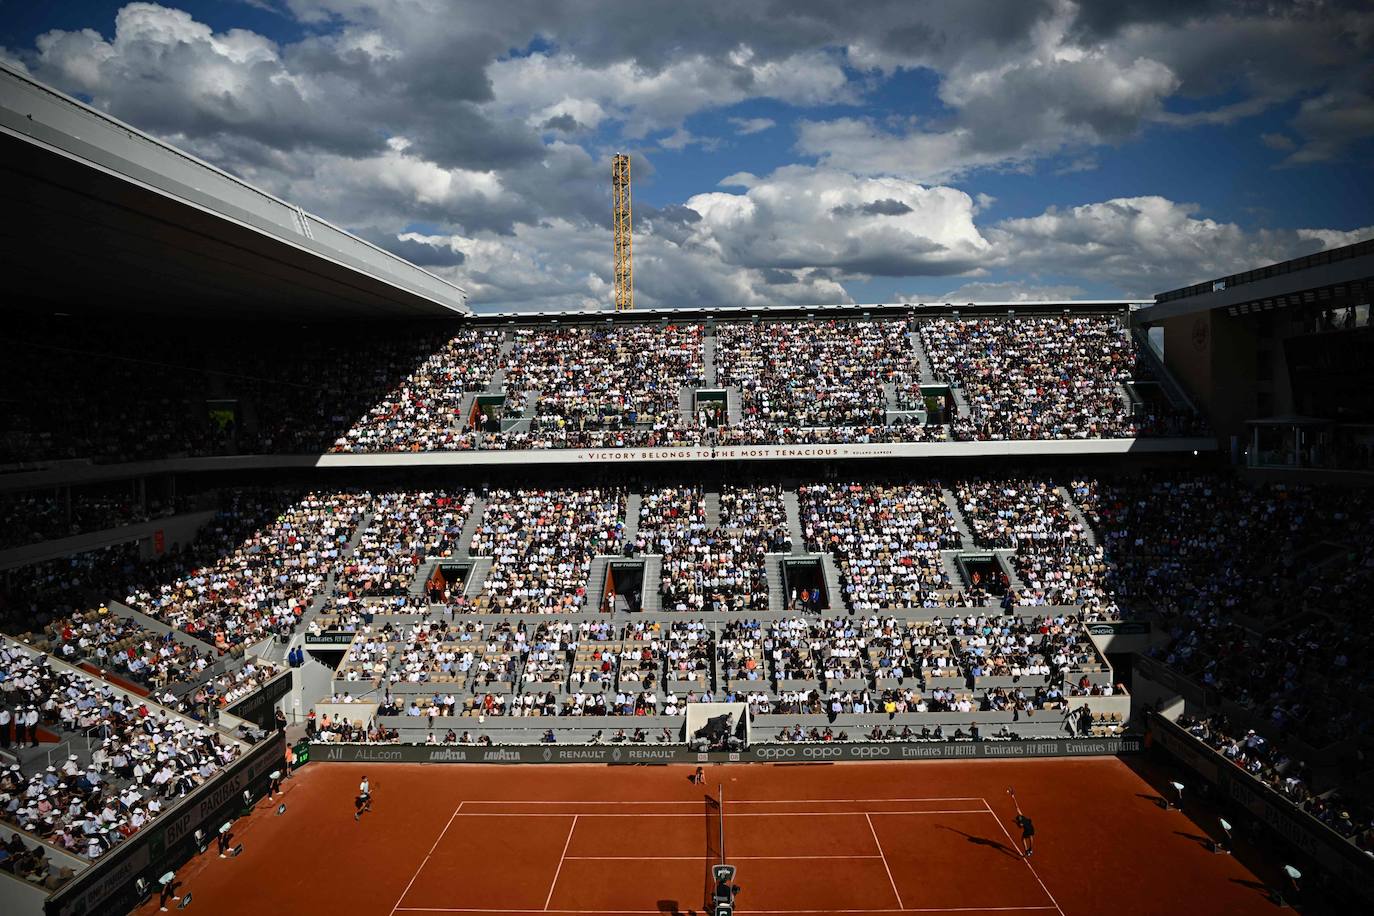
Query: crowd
x=123 y=647
x=1256 y=755
x=422 y=414
x=816 y=373
x=715 y=564
x=1036 y=378
x=141 y=757
x=542 y=543
x=604 y=379
x=259 y=587
x=1260 y=588
x=30 y=517
x=403 y=530
x=1055 y=557
x=886 y=540
x=132 y=392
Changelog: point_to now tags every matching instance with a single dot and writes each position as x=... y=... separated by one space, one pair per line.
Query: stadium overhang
x=1330 y=279
x=825 y=310
x=101 y=217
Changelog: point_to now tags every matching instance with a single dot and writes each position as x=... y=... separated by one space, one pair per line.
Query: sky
x=783 y=151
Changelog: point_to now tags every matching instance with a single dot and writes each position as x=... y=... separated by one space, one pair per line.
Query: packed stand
x=601 y=381
x=405 y=528
x=422 y=413
x=1260 y=587
x=261 y=586
x=814 y=373
x=542 y=543
x=1037 y=378
x=1054 y=555
x=886 y=540
x=712 y=567
x=144 y=758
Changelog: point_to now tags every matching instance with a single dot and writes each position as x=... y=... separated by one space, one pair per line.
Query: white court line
x=704 y=857
x=1015 y=846
x=566 y=844
x=885 y=865
x=740 y=814
x=919 y=909
x=426 y=859
x=737 y=801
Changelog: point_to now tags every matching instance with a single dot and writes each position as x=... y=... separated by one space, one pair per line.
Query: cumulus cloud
x=746 y=126
x=490 y=127
x=1009 y=291
x=1140 y=245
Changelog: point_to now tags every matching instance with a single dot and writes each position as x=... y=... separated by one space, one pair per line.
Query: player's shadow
x=1157 y=800
x=981 y=841
x=670 y=907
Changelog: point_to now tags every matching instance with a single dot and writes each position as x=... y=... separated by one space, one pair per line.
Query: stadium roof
x=102 y=217
x=737 y=312
x=1332 y=278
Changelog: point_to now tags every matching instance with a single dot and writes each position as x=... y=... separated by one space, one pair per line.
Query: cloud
x=490 y=127
x=885 y=207
x=746 y=126
x=1140 y=245
x=800 y=217
x=1008 y=291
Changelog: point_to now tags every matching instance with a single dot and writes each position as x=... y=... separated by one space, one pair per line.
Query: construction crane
x=624 y=264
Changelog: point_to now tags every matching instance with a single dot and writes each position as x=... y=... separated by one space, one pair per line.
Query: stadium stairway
x=922 y=360
x=965 y=535
x=460 y=417
x=1089 y=532
x=631 y=530
x=961 y=408
x=480 y=567
x=651 y=598
x=708 y=360
x=685 y=397
x=1128 y=400
x=1175 y=392
x=712 y=510
x=733 y=411
x=949 y=563
x=772 y=564
x=834 y=591
x=596 y=583
x=792 y=504
x=889 y=400
x=1013 y=577
x=470 y=525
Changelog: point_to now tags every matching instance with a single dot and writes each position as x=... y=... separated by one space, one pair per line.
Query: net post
x=720 y=797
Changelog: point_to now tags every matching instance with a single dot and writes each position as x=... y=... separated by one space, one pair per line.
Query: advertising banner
x=763 y=753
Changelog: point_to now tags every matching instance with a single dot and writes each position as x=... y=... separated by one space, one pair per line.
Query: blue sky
x=783 y=153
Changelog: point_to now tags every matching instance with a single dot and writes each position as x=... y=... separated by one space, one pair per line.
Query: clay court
x=880 y=838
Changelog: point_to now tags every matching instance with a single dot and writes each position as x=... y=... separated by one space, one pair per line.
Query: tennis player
x=364 y=800
x=1026 y=824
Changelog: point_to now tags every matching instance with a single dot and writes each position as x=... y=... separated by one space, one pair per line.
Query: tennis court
x=860 y=838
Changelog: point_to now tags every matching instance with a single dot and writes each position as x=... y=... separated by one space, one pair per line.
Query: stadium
x=324 y=589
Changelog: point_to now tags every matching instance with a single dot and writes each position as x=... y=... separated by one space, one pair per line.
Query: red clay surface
x=871 y=838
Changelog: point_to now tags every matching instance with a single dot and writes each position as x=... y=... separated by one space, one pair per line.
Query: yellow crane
x=624 y=264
